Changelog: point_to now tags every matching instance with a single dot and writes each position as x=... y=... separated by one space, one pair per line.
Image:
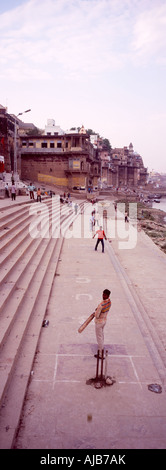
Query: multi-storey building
x=119 y=167
x=127 y=167
x=7 y=132
x=72 y=160
x=52 y=129
x=69 y=159
x=11 y=127
x=66 y=159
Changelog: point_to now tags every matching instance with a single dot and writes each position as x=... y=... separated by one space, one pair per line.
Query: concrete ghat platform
x=61 y=411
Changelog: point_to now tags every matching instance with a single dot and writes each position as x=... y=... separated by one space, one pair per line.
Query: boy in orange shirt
x=101 y=236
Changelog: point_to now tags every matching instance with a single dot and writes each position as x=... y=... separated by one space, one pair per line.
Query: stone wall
x=52 y=170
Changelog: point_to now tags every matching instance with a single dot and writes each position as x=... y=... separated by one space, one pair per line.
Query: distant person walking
x=115 y=206
x=76 y=208
x=92 y=222
x=13 y=192
x=101 y=235
x=101 y=318
x=97 y=219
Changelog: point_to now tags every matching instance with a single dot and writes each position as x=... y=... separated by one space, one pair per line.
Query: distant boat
x=157 y=200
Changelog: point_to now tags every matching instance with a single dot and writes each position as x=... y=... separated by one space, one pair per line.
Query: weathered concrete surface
x=61 y=411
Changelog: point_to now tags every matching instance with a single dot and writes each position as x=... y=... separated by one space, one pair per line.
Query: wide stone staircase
x=28 y=263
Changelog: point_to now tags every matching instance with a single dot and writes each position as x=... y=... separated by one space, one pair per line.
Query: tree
x=75 y=129
x=91 y=132
x=107 y=144
x=34 y=131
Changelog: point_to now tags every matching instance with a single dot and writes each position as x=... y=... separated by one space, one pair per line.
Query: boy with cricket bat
x=101 y=318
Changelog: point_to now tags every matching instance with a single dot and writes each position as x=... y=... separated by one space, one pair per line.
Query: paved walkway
x=61 y=410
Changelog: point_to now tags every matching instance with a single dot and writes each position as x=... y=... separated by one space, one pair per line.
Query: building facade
x=127 y=168
x=71 y=159
x=7 y=133
x=66 y=160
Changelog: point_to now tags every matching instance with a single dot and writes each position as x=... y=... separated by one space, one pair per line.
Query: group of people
x=66 y=198
x=13 y=190
x=103 y=308
x=101 y=312
x=31 y=193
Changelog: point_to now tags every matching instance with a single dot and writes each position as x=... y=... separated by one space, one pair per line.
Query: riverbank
x=152 y=221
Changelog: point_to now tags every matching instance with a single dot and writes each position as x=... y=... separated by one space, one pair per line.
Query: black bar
x=102 y=360
x=97 y=367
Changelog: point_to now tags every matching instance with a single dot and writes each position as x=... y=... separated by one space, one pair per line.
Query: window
x=44 y=145
x=59 y=145
x=76 y=142
x=52 y=145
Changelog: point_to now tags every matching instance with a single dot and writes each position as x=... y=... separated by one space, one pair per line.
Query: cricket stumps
x=101 y=379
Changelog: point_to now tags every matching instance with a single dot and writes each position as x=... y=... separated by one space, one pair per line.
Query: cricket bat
x=86 y=323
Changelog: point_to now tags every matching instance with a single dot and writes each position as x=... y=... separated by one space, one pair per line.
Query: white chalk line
x=55 y=380
x=135 y=372
x=55 y=370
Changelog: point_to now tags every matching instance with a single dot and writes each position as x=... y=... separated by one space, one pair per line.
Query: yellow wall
x=95 y=181
x=52 y=180
x=79 y=180
x=38 y=144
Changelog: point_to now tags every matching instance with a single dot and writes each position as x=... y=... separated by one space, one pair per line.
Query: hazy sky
x=100 y=63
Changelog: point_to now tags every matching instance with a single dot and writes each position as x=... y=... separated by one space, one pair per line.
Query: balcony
x=76 y=149
x=35 y=151
x=94 y=173
x=76 y=170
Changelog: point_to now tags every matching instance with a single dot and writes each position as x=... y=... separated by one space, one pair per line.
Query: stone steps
x=27 y=272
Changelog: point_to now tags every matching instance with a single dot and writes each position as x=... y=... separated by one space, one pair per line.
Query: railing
x=41 y=150
x=36 y=150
